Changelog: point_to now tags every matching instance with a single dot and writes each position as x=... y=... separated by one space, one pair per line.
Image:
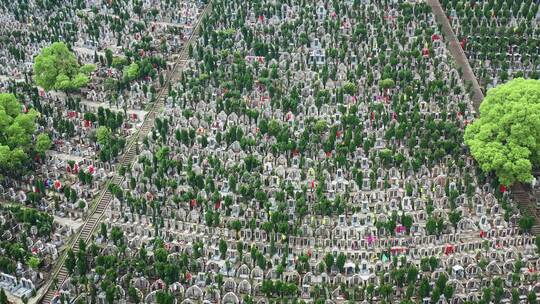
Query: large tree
x=506 y=137
x=57 y=68
x=16 y=134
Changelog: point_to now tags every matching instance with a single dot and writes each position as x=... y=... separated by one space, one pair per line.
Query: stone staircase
x=84 y=234
x=522 y=196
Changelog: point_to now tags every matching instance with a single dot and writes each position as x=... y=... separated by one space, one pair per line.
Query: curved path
x=60 y=273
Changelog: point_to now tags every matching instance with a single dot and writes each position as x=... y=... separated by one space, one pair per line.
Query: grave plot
x=29 y=247
x=500 y=38
x=312 y=150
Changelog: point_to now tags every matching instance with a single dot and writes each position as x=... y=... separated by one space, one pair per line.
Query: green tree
x=267 y=287
x=70 y=261
x=103 y=230
x=16 y=130
x=117 y=235
x=274 y=127
x=240 y=249
x=329 y=261
x=103 y=135
x=340 y=262
x=515 y=296
x=431 y=226
x=498 y=294
x=531 y=298
x=133 y=295
x=412 y=274
x=506 y=137
x=236 y=225
x=222 y=248
x=43 y=143
x=526 y=223
x=423 y=290
x=56 y=67
x=161 y=255
x=82 y=263
x=110 y=294
x=385 y=290
x=320 y=126
x=131 y=72
x=386 y=84
x=454 y=217
x=163 y=297
x=33 y=262
x=109 y=56
x=407 y=222
x=349 y=88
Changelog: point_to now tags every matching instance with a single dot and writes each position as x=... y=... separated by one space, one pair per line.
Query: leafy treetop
x=506 y=137
x=16 y=130
x=56 y=67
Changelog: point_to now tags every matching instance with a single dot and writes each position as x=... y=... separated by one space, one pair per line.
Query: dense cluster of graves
x=312 y=151
x=91 y=27
x=67 y=179
x=501 y=38
x=29 y=246
x=132 y=45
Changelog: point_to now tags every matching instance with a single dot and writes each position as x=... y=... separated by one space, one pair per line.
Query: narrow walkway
x=521 y=195
x=457 y=52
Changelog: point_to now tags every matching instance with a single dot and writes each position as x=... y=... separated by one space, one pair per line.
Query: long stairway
x=60 y=273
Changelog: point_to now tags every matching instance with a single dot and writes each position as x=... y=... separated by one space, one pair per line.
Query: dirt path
x=457 y=52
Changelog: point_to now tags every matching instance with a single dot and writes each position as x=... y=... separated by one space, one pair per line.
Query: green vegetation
x=16 y=249
x=16 y=135
x=506 y=137
x=57 y=68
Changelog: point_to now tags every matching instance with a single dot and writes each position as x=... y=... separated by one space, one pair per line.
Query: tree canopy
x=56 y=67
x=506 y=137
x=16 y=133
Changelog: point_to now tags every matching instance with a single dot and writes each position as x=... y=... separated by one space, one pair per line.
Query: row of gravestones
x=17 y=287
x=512 y=53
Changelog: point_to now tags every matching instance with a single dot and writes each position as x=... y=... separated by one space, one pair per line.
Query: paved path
x=455 y=49
x=97 y=212
x=73 y=224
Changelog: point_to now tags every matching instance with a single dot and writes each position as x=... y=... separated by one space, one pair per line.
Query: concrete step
x=48 y=297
